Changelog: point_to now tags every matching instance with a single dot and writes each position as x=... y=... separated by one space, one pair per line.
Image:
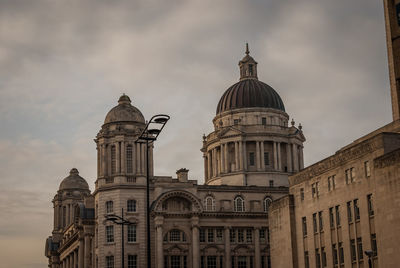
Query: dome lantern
x=248 y=66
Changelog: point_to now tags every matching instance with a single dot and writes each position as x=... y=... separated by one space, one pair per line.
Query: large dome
x=74 y=181
x=249 y=93
x=124 y=112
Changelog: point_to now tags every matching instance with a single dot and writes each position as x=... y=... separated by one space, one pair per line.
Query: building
x=347 y=204
x=223 y=223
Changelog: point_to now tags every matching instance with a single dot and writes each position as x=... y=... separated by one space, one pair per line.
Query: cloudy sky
x=63 y=65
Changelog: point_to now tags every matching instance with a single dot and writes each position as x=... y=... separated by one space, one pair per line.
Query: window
x=239 y=204
x=367 y=169
x=240 y=235
x=352 y=174
x=251 y=158
x=250 y=69
x=249 y=235
x=131 y=205
x=266 y=158
x=331 y=219
x=242 y=262
x=271 y=183
x=64 y=216
x=347 y=174
x=304 y=224
x=211 y=261
x=129 y=159
x=262 y=234
x=210 y=235
x=374 y=248
x=174 y=236
x=314 y=189
x=323 y=257
x=110 y=261
x=353 y=250
x=264 y=121
x=132 y=261
x=232 y=236
x=267 y=203
x=360 y=248
x=219 y=235
x=321 y=223
x=317 y=258
x=209 y=203
x=314 y=220
x=179 y=236
x=341 y=253
x=175 y=261
x=337 y=210
x=109 y=207
x=301 y=194
x=306 y=260
x=370 y=205
x=113 y=160
x=356 y=210
x=331 y=183
x=349 y=214
x=334 y=255
x=202 y=235
x=110 y=234
x=131 y=233
x=236 y=121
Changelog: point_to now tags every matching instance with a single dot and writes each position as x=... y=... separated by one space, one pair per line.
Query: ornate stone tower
x=121 y=181
x=252 y=143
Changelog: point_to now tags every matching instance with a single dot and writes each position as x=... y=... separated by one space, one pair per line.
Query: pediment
x=229 y=131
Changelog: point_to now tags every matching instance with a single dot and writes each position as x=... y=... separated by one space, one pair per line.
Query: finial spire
x=247 y=49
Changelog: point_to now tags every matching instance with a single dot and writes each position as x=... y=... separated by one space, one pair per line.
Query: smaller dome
x=124 y=112
x=74 y=181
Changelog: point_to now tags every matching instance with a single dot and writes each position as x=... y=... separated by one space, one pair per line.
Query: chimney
x=182 y=174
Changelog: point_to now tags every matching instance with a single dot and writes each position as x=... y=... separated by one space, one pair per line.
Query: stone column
x=222 y=152
x=195 y=242
x=262 y=156
x=81 y=253
x=244 y=156
x=87 y=251
x=275 y=157
x=151 y=167
x=227 y=248
x=159 y=220
x=76 y=261
x=218 y=160
x=108 y=157
x=236 y=156
x=257 y=255
x=226 y=157
x=209 y=165
x=288 y=158
x=134 y=164
x=295 y=157
x=258 y=155
x=205 y=166
x=103 y=160
x=72 y=259
x=240 y=155
x=138 y=171
x=117 y=158
x=301 y=162
x=279 y=156
x=123 y=157
x=214 y=166
x=143 y=158
x=67 y=261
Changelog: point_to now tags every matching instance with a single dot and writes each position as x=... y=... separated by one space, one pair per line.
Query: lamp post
x=150 y=134
x=119 y=220
x=369 y=253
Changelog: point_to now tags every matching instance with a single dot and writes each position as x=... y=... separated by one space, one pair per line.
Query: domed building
x=223 y=223
x=252 y=143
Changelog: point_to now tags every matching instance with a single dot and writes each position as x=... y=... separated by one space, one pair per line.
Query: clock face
x=398 y=14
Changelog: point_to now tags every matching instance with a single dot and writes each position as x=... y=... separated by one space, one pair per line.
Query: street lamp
x=120 y=221
x=369 y=253
x=150 y=134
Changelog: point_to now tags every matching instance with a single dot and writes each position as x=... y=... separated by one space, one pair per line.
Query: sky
x=64 y=64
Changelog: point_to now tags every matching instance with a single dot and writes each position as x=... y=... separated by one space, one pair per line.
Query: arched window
x=267 y=203
x=209 y=203
x=175 y=235
x=109 y=207
x=131 y=205
x=239 y=204
x=113 y=160
x=129 y=159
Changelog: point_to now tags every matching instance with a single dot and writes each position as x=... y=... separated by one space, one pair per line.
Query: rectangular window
x=131 y=205
x=337 y=210
x=370 y=205
x=263 y=121
x=334 y=255
x=367 y=169
x=109 y=207
x=313 y=190
x=271 y=183
x=251 y=159
x=329 y=183
x=175 y=235
x=232 y=235
x=175 y=261
x=131 y=233
x=321 y=222
x=242 y=262
x=129 y=160
x=314 y=221
x=110 y=234
x=341 y=253
x=306 y=260
x=266 y=158
x=233 y=261
x=317 y=258
x=110 y=261
x=333 y=180
x=360 y=248
x=202 y=235
x=202 y=262
x=356 y=210
x=210 y=235
x=301 y=194
x=373 y=245
x=353 y=250
x=323 y=257
x=352 y=174
x=347 y=174
x=211 y=261
x=249 y=235
x=262 y=234
x=349 y=214
x=132 y=261
x=240 y=234
x=236 y=121
x=219 y=235
x=304 y=224
x=331 y=218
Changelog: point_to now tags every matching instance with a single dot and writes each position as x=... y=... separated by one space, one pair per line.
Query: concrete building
x=224 y=223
